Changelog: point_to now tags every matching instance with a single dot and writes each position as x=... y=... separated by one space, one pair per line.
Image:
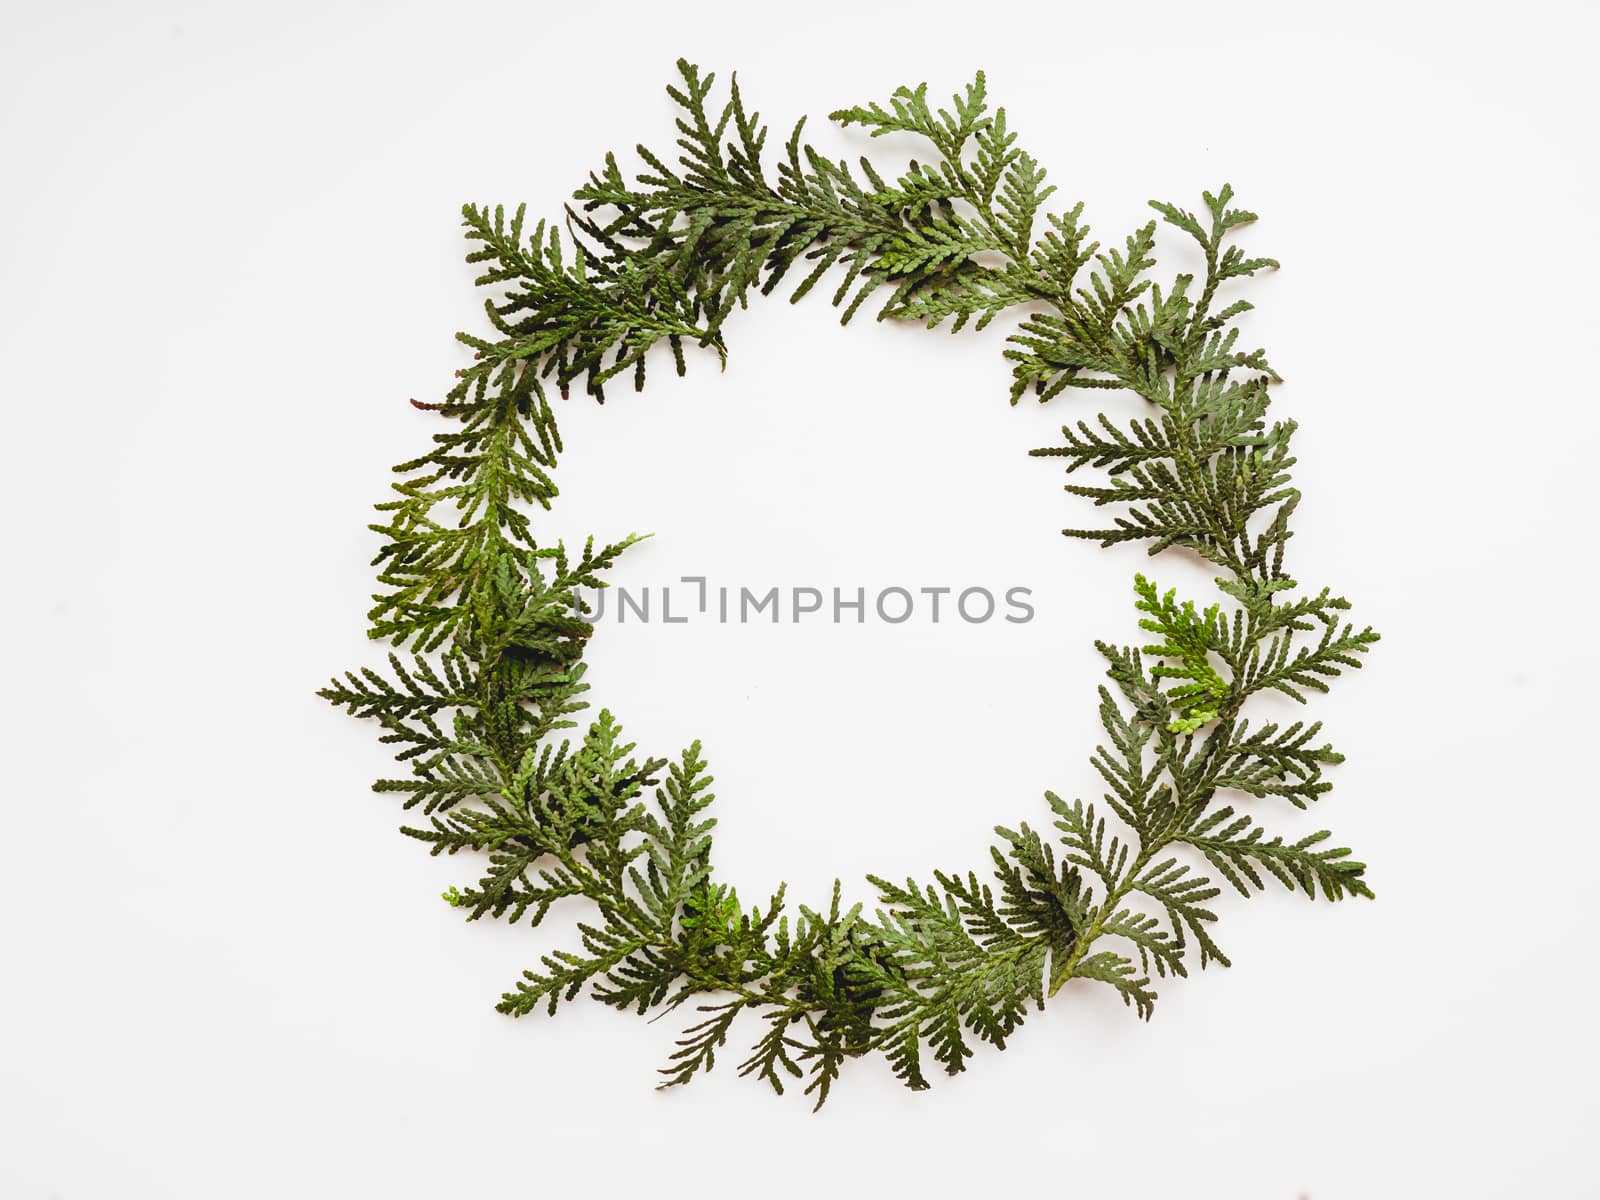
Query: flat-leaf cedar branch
x=487 y=668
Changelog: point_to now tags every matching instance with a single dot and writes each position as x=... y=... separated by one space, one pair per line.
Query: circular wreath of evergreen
x=491 y=623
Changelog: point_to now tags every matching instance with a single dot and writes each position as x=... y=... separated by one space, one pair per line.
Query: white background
x=230 y=255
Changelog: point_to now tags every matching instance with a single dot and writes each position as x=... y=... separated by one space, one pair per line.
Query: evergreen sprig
x=1116 y=894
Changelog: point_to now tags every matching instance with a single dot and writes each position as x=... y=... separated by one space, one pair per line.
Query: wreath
x=491 y=624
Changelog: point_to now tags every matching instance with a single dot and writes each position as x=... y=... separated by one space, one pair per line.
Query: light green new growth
x=492 y=670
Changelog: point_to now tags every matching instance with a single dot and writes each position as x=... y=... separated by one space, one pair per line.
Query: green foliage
x=490 y=622
x=722 y=224
x=1188 y=639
